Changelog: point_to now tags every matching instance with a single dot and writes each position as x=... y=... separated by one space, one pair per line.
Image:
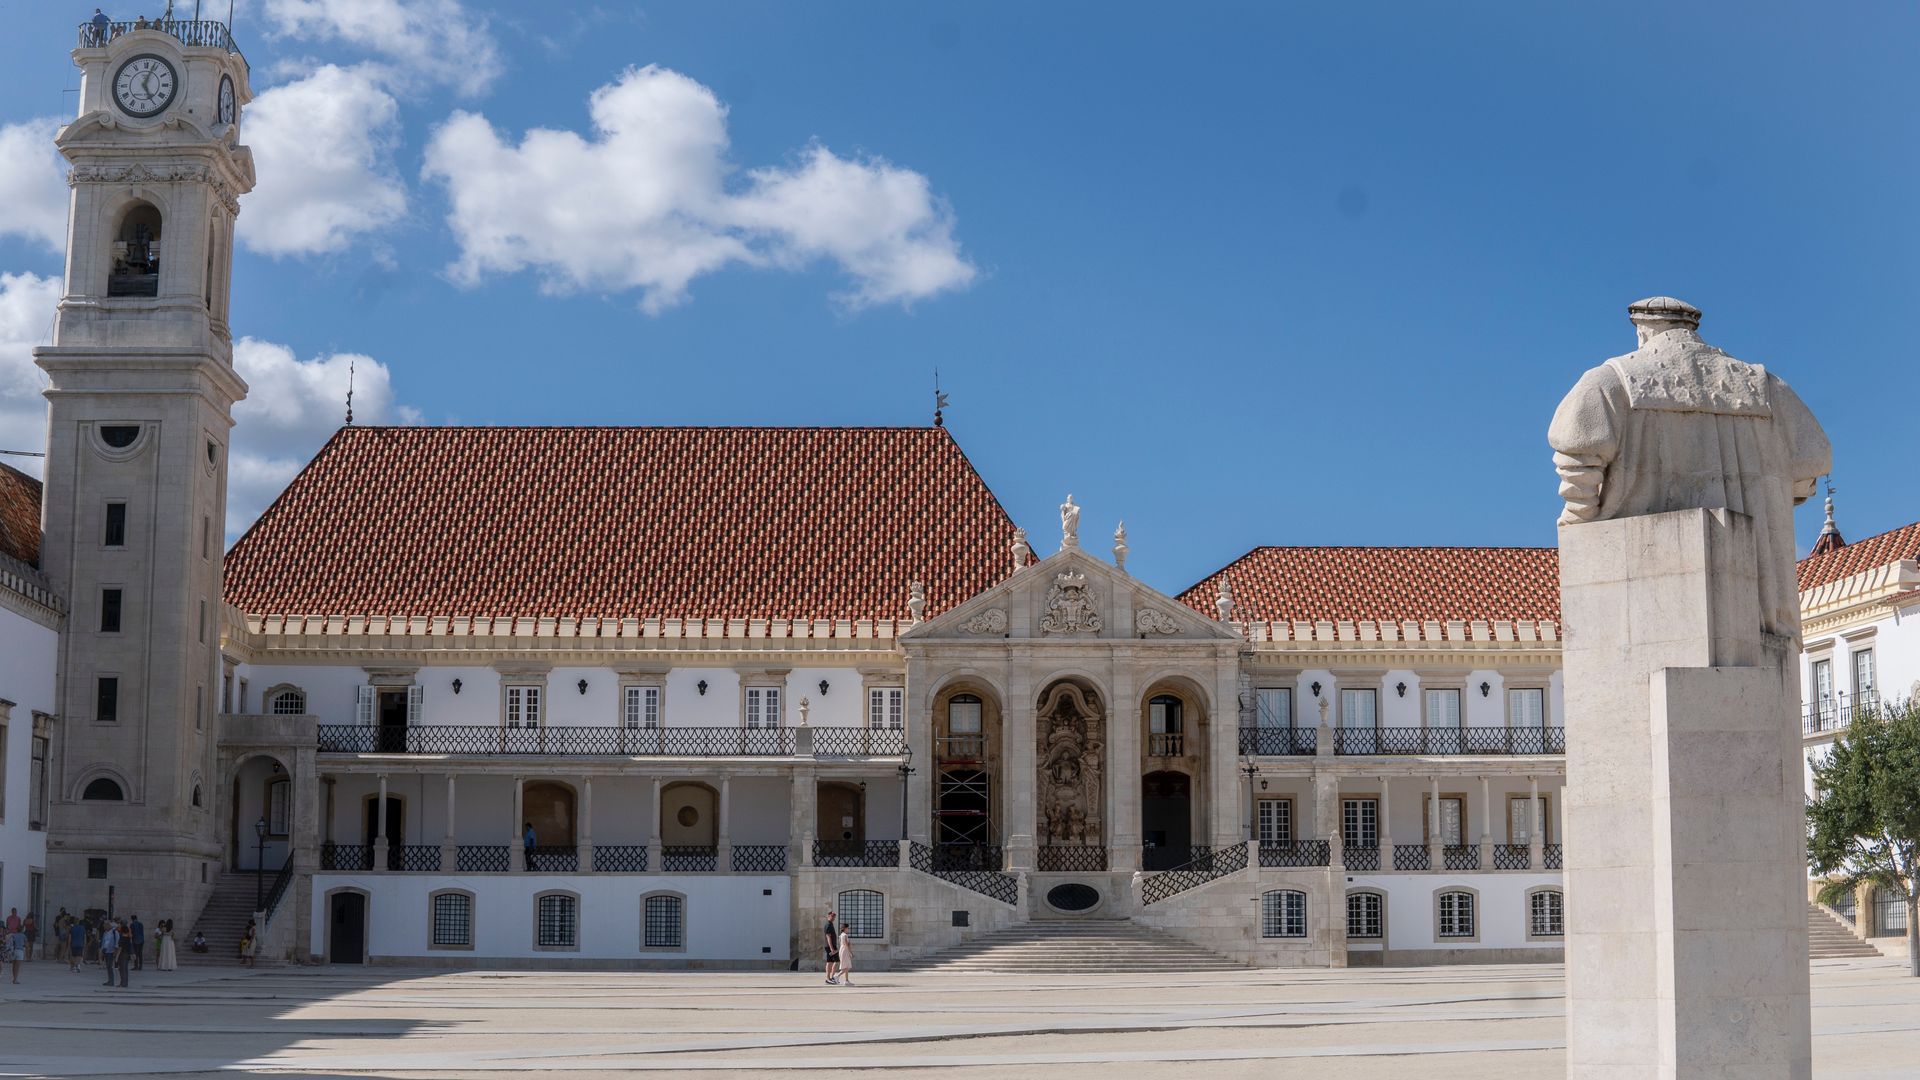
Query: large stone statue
x=1069 y=524
x=1679 y=425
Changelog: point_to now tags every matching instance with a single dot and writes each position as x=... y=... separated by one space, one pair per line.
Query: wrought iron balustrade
x=1304 y=853
x=963 y=748
x=689 y=860
x=553 y=858
x=346 y=856
x=969 y=857
x=850 y=853
x=1360 y=856
x=482 y=859
x=1411 y=857
x=1512 y=857
x=858 y=742
x=1074 y=858
x=993 y=883
x=1278 y=741
x=760 y=858
x=1832 y=715
x=620 y=858
x=567 y=740
x=1550 y=856
x=1166 y=744
x=202 y=33
x=1446 y=742
x=1215 y=863
x=1461 y=856
x=279 y=888
x=416 y=857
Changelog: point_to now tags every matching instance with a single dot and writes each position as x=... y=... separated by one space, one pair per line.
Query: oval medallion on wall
x=1073 y=897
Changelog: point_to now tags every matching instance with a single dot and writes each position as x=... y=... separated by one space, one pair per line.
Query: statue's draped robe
x=1680 y=425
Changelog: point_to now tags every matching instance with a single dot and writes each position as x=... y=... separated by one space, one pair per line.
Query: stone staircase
x=223 y=920
x=1829 y=939
x=1077 y=946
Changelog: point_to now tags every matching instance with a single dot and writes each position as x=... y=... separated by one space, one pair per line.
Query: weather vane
x=939 y=401
x=349 y=392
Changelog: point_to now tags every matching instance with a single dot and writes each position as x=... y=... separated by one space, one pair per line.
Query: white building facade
x=31 y=618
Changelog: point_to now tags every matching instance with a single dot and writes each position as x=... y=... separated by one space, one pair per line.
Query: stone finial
x=1022 y=550
x=916 y=600
x=1830 y=538
x=804 y=706
x=1224 y=602
x=1120 y=545
x=1069 y=523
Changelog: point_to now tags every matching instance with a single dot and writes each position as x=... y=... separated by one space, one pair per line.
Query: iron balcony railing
x=842 y=742
x=1511 y=857
x=1834 y=715
x=620 y=858
x=1461 y=856
x=482 y=859
x=1360 y=856
x=1277 y=741
x=1304 y=853
x=202 y=33
x=566 y=740
x=1411 y=857
x=278 y=889
x=417 y=857
x=963 y=748
x=1215 y=863
x=689 y=860
x=851 y=853
x=1076 y=858
x=553 y=858
x=1550 y=854
x=1449 y=741
x=761 y=858
x=346 y=856
x=948 y=864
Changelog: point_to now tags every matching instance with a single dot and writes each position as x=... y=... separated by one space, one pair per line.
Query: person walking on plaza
x=16 y=950
x=76 y=943
x=121 y=958
x=13 y=919
x=833 y=950
x=109 y=945
x=247 y=945
x=139 y=942
x=62 y=923
x=846 y=956
x=31 y=927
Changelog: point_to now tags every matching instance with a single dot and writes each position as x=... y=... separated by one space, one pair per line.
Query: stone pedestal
x=1686 y=935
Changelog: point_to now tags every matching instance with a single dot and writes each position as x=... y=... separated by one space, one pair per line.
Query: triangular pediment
x=1070 y=595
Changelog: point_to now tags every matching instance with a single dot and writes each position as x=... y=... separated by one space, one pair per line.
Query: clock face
x=144 y=85
x=226 y=99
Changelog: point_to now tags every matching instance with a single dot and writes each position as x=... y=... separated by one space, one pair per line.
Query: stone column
x=802 y=807
x=1536 y=838
x=654 y=857
x=308 y=799
x=1123 y=768
x=1436 y=836
x=450 y=844
x=585 y=839
x=723 y=838
x=1684 y=845
x=1223 y=753
x=1326 y=805
x=1386 y=831
x=1486 y=824
x=1020 y=729
x=516 y=854
x=380 y=843
x=920 y=727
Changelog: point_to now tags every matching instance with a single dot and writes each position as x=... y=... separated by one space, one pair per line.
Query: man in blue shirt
x=109 y=949
x=102 y=26
x=76 y=943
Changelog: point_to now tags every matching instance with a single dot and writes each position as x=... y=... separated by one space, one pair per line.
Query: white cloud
x=292 y=407
x=437 y=40
x=33 y=184
x=323 y=146
x=26 y=319
x=645 y=203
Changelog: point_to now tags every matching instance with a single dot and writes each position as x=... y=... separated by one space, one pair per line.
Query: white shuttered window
x=886 y=707
x=763 y=706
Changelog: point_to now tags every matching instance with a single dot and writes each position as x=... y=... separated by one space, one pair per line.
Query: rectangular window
x=1520 y=821
x=1364 y=915
x=1360 y=822
x=226 y=693
x=1443 y=708
x=1283 y=914
x=1823 y=687
x=1275 y=707
x=199 y=708
x=1359 y=708
x=963 y=715
x=453 y=920
x=37 y=786
x=97 y=869
x=116 y=535
x=523 y=706
x=206 y=537
x=863 y=913
x=106 y=700
x=886 y=707
x=662 y=922
x=642 y=708
x=243 y=695
x=279 y=796
x=110 y=611
x=1276 y=822
x=1163 y=717
x=763 y=706
x=203 y=622
x=1526 y=708
x=1456 y=914
x=1546 y=915
x=1862 y=677
x=559 y=922
x=1452 y=812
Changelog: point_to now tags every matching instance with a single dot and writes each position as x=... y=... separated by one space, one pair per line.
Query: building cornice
x=27 y=593
x=1863 y=597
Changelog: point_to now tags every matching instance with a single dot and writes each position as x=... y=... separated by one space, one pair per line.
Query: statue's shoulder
x=1692 y=376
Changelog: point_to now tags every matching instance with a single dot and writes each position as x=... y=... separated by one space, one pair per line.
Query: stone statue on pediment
x=1069 y=524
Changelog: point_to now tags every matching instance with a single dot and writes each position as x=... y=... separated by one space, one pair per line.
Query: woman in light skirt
x=169 y=956
x=846 y=956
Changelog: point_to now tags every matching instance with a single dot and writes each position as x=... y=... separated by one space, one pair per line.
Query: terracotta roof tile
x=1388 y=584
x=1874 y=551
x=19 y=515
x=631 y=522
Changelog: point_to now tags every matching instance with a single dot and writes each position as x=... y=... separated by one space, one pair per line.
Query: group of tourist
x=117 y=945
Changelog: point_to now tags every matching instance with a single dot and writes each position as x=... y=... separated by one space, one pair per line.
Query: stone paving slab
x=1473 y=1023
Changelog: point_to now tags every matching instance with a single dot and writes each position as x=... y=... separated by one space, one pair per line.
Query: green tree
x=1864 y=820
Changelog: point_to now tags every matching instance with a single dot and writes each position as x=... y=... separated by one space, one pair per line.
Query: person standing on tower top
x=102 y=27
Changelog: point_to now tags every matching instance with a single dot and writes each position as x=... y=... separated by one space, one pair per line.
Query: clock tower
x=140 y=406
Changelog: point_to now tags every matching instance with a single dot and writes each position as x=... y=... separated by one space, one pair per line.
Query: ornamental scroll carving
x=1070 y=606
x=990 y=621
x=1154 y=621
x=140 y=172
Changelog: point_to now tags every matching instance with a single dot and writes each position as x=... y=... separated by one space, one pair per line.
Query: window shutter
x=363 y=706
x=415 y=695
x=875 y=707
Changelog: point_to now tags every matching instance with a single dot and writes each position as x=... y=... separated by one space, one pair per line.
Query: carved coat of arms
x=1070 y=606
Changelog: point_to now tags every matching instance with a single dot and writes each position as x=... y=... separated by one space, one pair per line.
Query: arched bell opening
x=136 y=253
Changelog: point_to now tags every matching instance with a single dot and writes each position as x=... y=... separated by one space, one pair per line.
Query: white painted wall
x=28 y=658
x=1411 y=909
x=740 y=918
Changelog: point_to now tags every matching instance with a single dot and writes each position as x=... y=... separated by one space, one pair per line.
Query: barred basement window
x=864 y=913
x=1364 y=915
x=288 y=703
x=453 y=920
x=558 y=921
x=1545 y=914
x=663 y=922
x=1283 y=914
x=1456 y=915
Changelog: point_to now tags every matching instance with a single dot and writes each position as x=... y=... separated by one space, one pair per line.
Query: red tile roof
x=1874 y=551
x=629 y=522
x=19 y=515
x=1388 y=584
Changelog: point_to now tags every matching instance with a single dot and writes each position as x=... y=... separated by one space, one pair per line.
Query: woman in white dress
x=846 y=956
x=169 y=958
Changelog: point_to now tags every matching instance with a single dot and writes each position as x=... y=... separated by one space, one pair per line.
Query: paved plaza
x=1482 y=1023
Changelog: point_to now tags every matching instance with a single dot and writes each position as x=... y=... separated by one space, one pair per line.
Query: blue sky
x=1239 y=274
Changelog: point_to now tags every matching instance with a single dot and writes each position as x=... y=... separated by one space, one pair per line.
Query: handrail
x=199 y=33
x=280 y=882
x=579 y=741
x=1216 y=863
x=1446 y=742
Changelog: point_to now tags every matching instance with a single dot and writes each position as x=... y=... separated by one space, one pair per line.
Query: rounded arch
x=93 y=773
x=136 y=235
x=1180 y=682
x=689 y=814
x=1283 y=913
x=284 y=699
x=969 y=749
x=1089 y=684
x=254 y=798
x=984 y=682
x=550 y=806
x=556 y=920
x=663 y=921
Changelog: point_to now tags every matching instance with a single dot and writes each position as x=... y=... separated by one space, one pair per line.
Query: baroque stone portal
x=1072 y=733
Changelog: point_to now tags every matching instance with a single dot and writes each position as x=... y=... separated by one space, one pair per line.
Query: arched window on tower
x=136 y=253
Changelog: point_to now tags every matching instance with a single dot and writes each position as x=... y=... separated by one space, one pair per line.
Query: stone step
x=1828 y=939
x=1083 y=947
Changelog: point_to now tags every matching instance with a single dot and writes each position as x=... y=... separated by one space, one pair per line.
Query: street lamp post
x=906 y=770
x=1252 y=769
x=259 y=861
